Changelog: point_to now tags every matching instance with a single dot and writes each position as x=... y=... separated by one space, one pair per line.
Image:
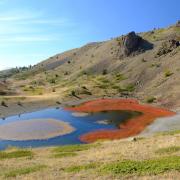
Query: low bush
x=150 y=99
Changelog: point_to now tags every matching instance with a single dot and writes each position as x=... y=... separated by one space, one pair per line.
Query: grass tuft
x=65 y=154
x=15 y=154
x=71 y=150
x=168 y=150
x=76 y=169
x=23 y=171
x=172 y=133
x=74 y=148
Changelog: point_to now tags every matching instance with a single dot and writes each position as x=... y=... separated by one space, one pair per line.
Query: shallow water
x=82 y=124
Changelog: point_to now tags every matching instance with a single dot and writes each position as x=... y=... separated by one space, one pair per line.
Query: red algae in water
x=129 y=128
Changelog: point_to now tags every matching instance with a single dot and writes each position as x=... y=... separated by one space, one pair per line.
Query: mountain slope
x=145 y=66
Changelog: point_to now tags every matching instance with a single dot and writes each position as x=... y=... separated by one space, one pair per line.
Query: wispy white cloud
x=27 y=39
x=23 y=33
x=21 y=24
x=19 y=15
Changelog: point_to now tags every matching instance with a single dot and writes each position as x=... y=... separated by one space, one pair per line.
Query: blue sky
x=33 y=30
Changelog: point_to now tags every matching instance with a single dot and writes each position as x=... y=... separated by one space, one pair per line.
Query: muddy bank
x=129 y=128
x=36 y=129
x=164 y=124
x=35 y=104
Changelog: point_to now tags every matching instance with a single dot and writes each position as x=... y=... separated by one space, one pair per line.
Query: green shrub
x=128 y=88
x=168 y=73
x=120 y=77
x=52 y=81
x=104 y=71
x=150 y=99
x=3 y=104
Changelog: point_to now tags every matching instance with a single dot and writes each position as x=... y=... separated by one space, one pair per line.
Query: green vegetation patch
x=76 y=169
x=128 y=88
x=71 y=150
x=74 y=148
x=146 y=167
x=23 y=171
x=129 y=167
x=169 y=132
x=120 y=77
x=65 y=154
x=168 y=150
x=168 y=73
x=150 y=99
x=15 y=154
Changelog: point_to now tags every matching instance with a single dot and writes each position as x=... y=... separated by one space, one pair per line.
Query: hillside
x=144 y=65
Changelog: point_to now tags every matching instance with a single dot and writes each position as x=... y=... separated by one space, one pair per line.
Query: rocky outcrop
x=133 y=44
x=130 y=43
x=178 y=24
x=167 y=47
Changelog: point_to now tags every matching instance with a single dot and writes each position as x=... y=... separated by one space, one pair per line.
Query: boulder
x=130 y=43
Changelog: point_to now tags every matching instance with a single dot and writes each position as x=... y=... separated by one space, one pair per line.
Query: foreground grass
x=15 y=154
x=146 y=167
x=76 y=169
x=168 y=150
x=129 y=167
x=65 y=154
x=71 y=150
x=111 y=160
x=23 y=171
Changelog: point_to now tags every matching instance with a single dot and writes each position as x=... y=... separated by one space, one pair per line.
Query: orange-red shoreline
x=131 y=127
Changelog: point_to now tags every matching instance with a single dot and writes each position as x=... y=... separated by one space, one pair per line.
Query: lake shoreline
x=36 y=105
x=132 y=127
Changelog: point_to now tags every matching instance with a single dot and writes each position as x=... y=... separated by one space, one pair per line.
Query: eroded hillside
x=145 y=66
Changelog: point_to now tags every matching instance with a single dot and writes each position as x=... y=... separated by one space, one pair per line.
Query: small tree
x=104 y=71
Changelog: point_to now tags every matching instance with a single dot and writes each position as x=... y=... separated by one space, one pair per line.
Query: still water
x=82 y=125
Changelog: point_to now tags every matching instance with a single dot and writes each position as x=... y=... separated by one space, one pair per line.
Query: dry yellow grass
x=106 y=152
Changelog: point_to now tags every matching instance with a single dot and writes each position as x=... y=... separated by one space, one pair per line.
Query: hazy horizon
x=33 y=31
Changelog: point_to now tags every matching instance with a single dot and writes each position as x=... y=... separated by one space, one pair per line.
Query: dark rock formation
x=132 y=44
x=167 y=47
x=178 y=24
